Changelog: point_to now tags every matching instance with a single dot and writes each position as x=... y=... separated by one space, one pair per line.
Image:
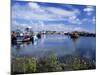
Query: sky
x=53 y=16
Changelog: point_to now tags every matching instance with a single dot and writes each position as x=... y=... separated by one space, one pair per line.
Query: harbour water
x=59 y=45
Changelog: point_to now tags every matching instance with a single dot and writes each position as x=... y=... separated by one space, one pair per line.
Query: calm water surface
x=59 y=45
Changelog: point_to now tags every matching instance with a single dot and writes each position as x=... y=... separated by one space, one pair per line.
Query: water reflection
x=35 y=42
x=74 y=40
x=57 y=44
x=43 y=39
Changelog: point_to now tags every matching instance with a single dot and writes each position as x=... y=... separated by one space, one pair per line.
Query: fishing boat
x=23 y=39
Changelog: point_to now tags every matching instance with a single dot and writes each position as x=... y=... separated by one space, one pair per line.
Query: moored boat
x=74 y=35
x=23 y=39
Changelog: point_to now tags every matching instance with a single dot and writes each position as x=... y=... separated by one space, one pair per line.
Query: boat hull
x=24 y=40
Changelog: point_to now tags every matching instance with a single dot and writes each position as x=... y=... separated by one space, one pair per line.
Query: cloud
x=88 y=10
x=63 y=27
x=74 y=20
x=78 y=29
x=62 y=12
x=90 y=21
x=33 y=5
x=33 y=11
x=94 y=20
x=40 y=25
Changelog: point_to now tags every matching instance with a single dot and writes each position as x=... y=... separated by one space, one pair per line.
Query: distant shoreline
x=79 y=33
x=87 y=34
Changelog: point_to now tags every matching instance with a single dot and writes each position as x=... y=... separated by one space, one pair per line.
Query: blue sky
x=53 y=16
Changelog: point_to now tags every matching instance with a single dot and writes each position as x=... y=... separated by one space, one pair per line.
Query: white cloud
x=33 y=11
x=75 y=20
x=91 y=20
x=59 y=27
x=78 y=29
x=94 y=20
x=38 y=13
x=89 y=13
x=40 y=25
x=88 y=10
x=33 y=5
x=62 y=12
